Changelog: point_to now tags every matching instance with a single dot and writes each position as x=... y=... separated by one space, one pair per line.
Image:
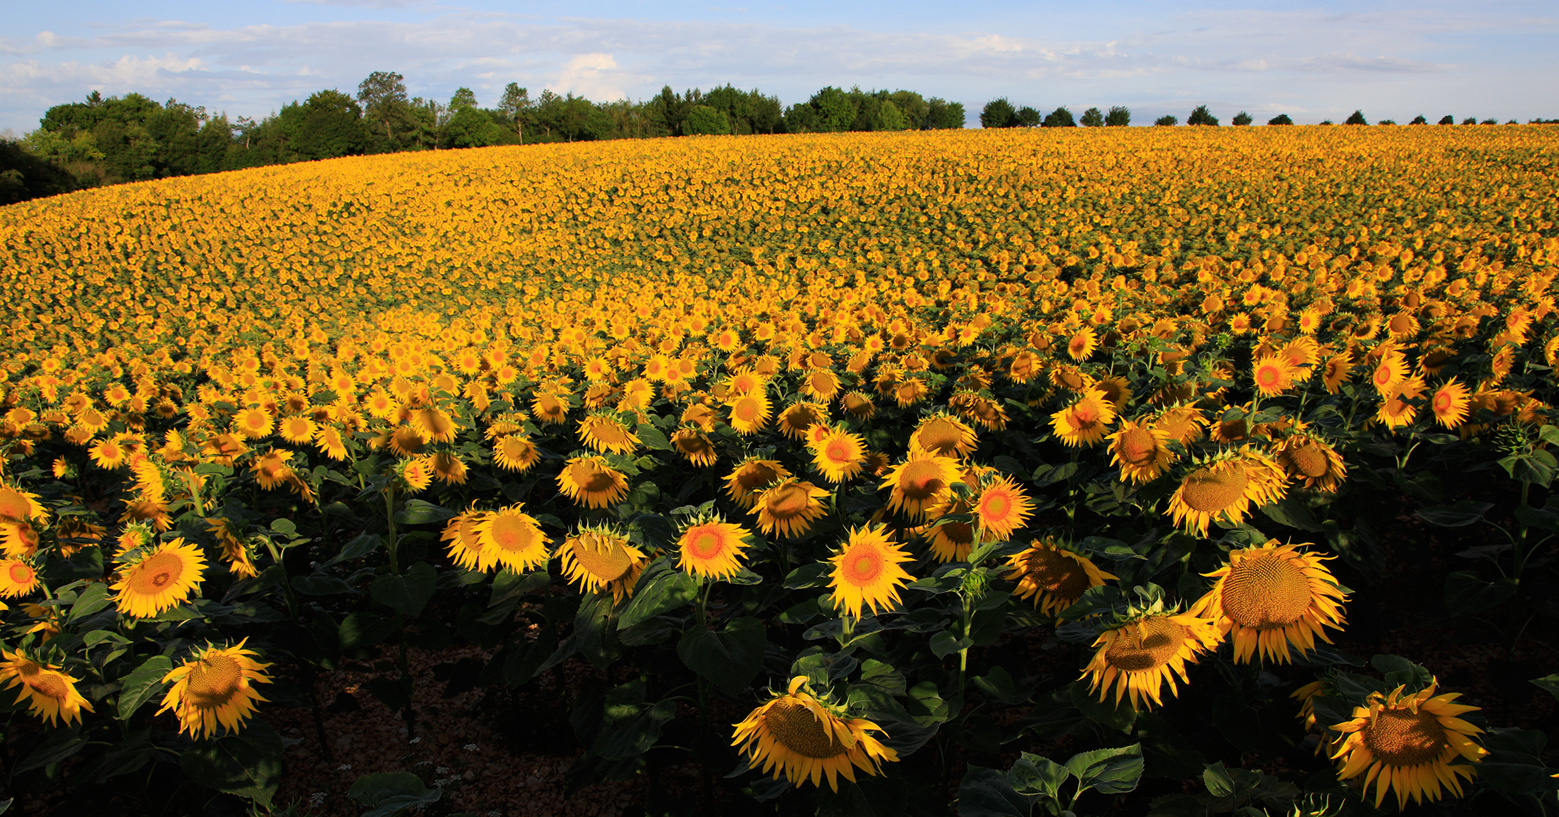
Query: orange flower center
x=1137 y=447
x=156 y=573
x=512 y=532
x=801 y=731
x=20 y=574
x=1145 y=645
x=214 y=680
x=787 y=501
x=1266 y=591
x=1401 y=737
x=706 y=543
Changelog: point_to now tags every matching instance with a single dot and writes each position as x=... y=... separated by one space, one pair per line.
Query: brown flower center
x=1266 y=591
x=801 y=731
x=1056 y=574
x=47 y=683
x=512 y=532
x=590 y=477
x=921 y=479
x=214 y=681
x=1404 y=738
x=1308 y=459
x=156 y=573
x=1145 y=645
x=787 y=501
x=604 y=558
x=941 y=436
x=1214 y=490
x=1137 y=447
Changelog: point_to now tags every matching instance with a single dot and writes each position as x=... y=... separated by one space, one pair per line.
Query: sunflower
x=804 y=738
x=1450 y=404
x=510 y=538
x=1395 y=409
x=1053 y=578
x=921 y=484
x=820 y=385
x=239 y=562
x=1082 y=344
x=858 y=405
x=694 y=446
x=600 y=559
x=1001 y=508
x=1271 y=597
x=789 y=507
x=1139 y=657
x=1311 y=459
x=550 y=408
x=951 y=541
x=797 y=418
x=329 y=442
x=214 y=687
x=943 y=436
x=18 y=539
x=17 y=505
x=1273 y=374
x=838 y=454
x=515 y=452
x=1141 y=451
x=867 y=573
x=160 y=580
x=1084 y=422
x=605 y=434
x=297 y=429
x=252 y=423
x=1409 y=743
x=1389 y=372
x=1183 y=424
x=1337 y=371
x=49 y=692
x=1225 y=486
x=749 y=479
x=591 y=481
x=711 y=548
x=463 y=545
x=17 y=578
x=749 y=412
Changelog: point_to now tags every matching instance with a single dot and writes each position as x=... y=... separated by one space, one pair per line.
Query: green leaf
x=1219 y=783
x=390 y=793
x=1292 y=512
x=318 y=585
x=812 y=575
x=998 y=684
x=661 y=589
x=1459 y=515
x=91 y=600
x=730 y=658
x=61 y=744
x=1467 y=593
x=653 y=438
x=420 y=512
x=1106 y=713
x=360 y=631
x=945 y=643
x=284 y=526
x=1548 y=682
x=247 y=763
x=142 y=684
x=988 y=793
x=629 y=726
x=1400 y=671
x=1108 y=771
x=408 y=593
x=1038 y=776
x=359 y=547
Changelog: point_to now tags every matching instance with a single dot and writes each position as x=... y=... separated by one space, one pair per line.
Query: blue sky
x=1311 y=60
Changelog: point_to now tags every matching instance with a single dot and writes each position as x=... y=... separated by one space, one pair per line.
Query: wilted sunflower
x=1395 y=409
x=50 y=693
x=600 y=559
x=1139 y=657
x=797 y=418
x=838 y=454
x=1312 y=460
x=694 y=446
x=749 y=479
x=591 y=481
x=1271 y=597
x=866 y=572
x=510 y=538
x=605 y=434
x=951 y=541
x=1084 y=421
x=1053 y=578
x=789 y=507
x=1226 y=486
x=215 y=687
x=804 y=738
x=711 y=548
x=1409 y=743
x=160 y=580
x=1141 y=451
x=1001 y=508
x=921 y=484
x=239 y=562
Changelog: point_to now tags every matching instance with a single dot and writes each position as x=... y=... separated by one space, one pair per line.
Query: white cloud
x=594 y=75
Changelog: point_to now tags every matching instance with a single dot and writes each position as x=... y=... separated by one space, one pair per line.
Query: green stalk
x=392 y=544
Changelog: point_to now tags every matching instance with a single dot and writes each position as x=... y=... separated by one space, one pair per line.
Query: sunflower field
x=1113 y=471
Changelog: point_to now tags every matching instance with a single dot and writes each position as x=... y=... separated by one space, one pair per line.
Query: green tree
x=1356 y=118
x=1093 y=118
x=1241 y=119
x=1118 y=117
x=1471 y=120
x=941 y=114
x=472 y=127
x=1447 y=120
x=891 y=118
x=25 y=175
x=515 y=106
x=1168 y=120
x=463 y=98
x=834 y=108
x=1059 y=118
x=1419 y=120
x=1202 y=116
x=384 y=104
x=706 y=119
x=332 y=125
x=1280 y=119
x=998 y=113
x=1028 y=117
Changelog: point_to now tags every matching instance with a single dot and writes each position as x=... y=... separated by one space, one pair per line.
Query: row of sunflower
x=999 y=493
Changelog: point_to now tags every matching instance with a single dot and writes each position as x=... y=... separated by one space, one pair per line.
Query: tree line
x=1001 y=113
x=111 y=140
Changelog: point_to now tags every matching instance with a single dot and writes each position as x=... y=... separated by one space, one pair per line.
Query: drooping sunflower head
x=806 y=738
x=1051 y=577
x=50 y=693
x=604 y=433
x=711 y=548
x=214 y=688
x=921 y=484
x=789 y=507
x=515 y=452
x=598 y=559
x=944 y=436
x=797 y=418
x=1271 y=598
x=1226 y=486
x=695 y=446
x=160 y=580
x=1311 y=460
x=17 y=505
x=1413 y=744
x=1141 y=451
x=591 y=481
x=749 y=479
x=867 y=572
x=1139 y=657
